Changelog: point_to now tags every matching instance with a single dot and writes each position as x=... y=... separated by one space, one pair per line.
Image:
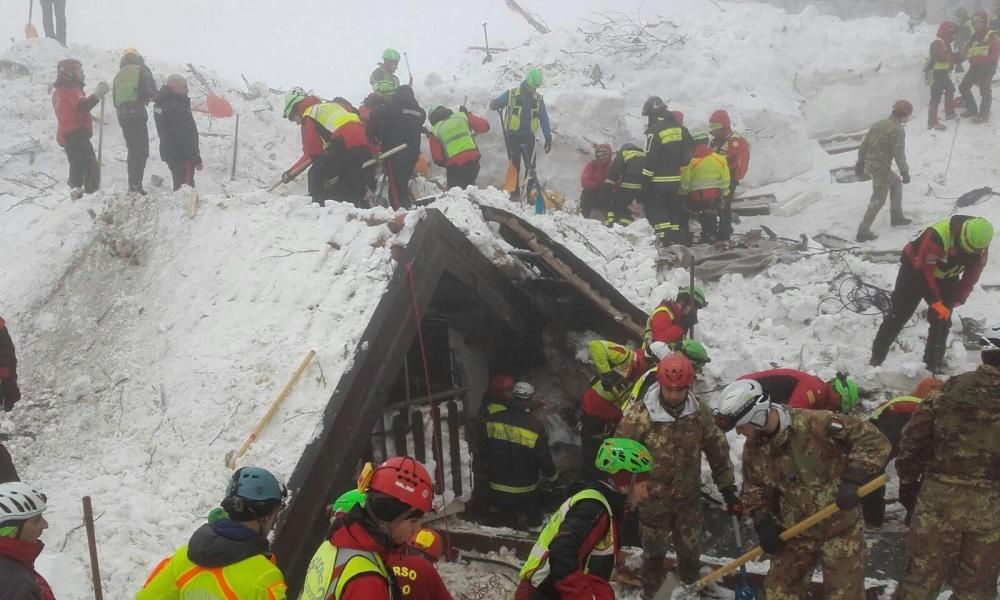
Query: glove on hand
x=941 y=311
x=732 y=500
x=286 y=177
x=687 y=320
x=905 y=176
x=102 y=89
x=850 y=480
x=769 y=534
x=908 y=497
x=859 y=168
x=9 y=394
x=548 y=145
x=611 y=380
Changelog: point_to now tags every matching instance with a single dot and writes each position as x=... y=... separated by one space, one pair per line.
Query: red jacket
x=994 y=56
x=594 y=174
x=941 y=52
x=368 y=586
x=417 y=578
x=72 y=109
x=663 y=325
x=477 y=125
x=17 y=571
x=797 y=389
x=315 y=137
x=926 y=254
x=733 y=147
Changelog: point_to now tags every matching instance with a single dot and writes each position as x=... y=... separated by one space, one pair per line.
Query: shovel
x=672 y=584
x=29 y=30
x=486 y=38
x=744 y=591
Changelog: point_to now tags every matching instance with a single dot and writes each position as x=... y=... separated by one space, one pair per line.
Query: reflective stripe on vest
x=981 y=46
x=540 y=551
x=637 y=388
x=514 y=489
x=455 y=135
x=941 y=65
x=331 y=116
x=878 y=411
x=647 y=336
x=493 y=408
x=126 y=85
x=630 y=155
x=511 y=433
x=943 y=229
x=332 y=568
x=205 y=587
x=514 y=111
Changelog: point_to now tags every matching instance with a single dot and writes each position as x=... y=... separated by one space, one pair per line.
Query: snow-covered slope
x=153 y=332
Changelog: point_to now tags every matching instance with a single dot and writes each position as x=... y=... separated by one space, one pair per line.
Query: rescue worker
x=351 y=564
x=594 y=199
x=76 y=126
x=668 y=148
x=677 y=428
x=736 y=149
x=179 y=146
x=890 y=418
x=398 y=121
x=335 y=143
x=617 y=368
x=453 y=144
x=22 y=522
x=704 y=186
x=885 y=142
x=498 y=395
x=133 y=88
x=523 y=113
x=798 y=389
x=983 y=54
x=383 y=79
x=796 y=462
x=580 y=541
x=517 y=459
x=671 y=320
x=949 y=476
x=413 y=566
x=228 y=557
x=941 y=266
x=10 y=393
x=345 y=502
x=624 y=184
x=942 y=60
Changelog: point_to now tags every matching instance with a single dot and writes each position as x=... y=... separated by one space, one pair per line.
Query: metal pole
x=95 y=569
x=236 y=145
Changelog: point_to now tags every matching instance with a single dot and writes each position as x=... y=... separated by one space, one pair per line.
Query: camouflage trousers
x=676 y=524
x=955 y=526
x=884 y=184
x=842 y=558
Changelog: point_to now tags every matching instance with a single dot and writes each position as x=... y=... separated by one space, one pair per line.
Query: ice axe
x=672 y=584
x=486 y=38
x=29 y=30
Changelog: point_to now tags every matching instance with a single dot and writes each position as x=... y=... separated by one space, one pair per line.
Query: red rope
x=436 y=449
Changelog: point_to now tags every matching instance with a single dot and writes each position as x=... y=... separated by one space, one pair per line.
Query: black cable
x=856 y=295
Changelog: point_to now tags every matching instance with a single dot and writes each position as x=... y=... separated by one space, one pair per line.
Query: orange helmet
x=927 y=386
x=406 y=480
x=428 y=542
x=675 y=371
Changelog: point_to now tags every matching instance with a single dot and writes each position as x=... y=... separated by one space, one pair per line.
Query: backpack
x=126 y=85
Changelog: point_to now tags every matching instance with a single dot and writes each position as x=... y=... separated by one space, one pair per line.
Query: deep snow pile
x=152 y=336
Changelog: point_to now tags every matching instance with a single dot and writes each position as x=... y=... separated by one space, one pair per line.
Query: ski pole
x=95 y=569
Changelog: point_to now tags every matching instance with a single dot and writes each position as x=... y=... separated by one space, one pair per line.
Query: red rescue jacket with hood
x=732 y=146
x=17 y=571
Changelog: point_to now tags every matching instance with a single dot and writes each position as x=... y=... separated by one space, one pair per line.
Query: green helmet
x=347 y=501
x=695 y=351
x=534 y=78
x=976 y=235
x=622 y=454
x=699 y=296
x=700 y=137
x=292 y=99
x=390 y=54
x=847 y=389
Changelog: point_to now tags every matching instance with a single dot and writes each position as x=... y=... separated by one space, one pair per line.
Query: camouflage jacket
x=955 y=434
x=884 y=142
x=676 y=445
x=796 y=472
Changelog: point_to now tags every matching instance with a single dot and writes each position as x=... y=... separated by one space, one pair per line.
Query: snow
x=154 y=332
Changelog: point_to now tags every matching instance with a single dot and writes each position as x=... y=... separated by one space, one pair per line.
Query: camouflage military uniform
x=676 y=443
x=884 y=142
x=796 y=473
x=952 y=443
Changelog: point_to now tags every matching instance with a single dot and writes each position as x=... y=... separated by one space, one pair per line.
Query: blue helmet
x=254 y=483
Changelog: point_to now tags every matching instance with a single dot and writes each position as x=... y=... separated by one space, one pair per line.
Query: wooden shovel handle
x=793 y=531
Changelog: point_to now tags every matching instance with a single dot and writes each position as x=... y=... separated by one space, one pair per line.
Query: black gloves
x=905 y=176
x=859 y=168
x=769 y=534
x=908 y=497
x=548 y=145
x=612 y=380
x=286 y=177
x=462 y=109
x=687 y=320
x=9 y=394
x=850 y=480
x=732 y=500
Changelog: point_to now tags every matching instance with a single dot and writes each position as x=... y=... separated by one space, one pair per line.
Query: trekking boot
x=969 y=114
x=865 y=236
x=76 y=193
x=981 y=118
x=901 y=221
x=950 y=116
x=936 y=127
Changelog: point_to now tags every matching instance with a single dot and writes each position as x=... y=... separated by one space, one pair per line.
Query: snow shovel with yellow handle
x=673 y=588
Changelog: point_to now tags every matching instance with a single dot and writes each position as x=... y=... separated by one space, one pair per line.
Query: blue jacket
x=500 y=102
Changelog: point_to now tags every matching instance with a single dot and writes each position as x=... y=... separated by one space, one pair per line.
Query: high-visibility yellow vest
x=940 y=65
x=943 y=229
x=899 y=400
x=455 y=135
x=540 y=551
x=705 y=173
x=331 y=116
x=647 y=336
x=332 y=568
x=254 y=578
x=514 y=110
x=980 y=47
x=126 y=85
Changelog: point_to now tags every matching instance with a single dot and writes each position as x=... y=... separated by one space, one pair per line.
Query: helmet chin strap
x=387 y=526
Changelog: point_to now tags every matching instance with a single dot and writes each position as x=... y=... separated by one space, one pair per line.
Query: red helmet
x=675 y=371
x=678 y=116
x=406 y=480
x=981 y=19
x=502 y=384
x=947 y=29
x=429 y=542
x=903 y=107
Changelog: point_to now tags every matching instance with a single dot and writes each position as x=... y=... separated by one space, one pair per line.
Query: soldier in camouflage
x=949 y=468
x=795 y=462
x=885 y=142
x=676 y=427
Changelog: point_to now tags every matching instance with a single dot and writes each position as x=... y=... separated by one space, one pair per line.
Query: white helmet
x=523 y=390
x=19 y=502
x=743 y=401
